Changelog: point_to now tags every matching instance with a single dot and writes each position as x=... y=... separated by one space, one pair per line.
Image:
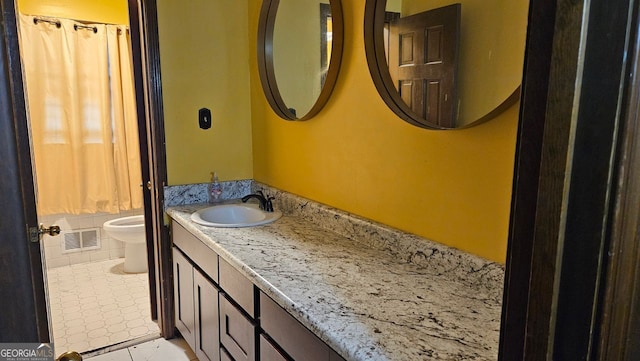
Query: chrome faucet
x=265 y=202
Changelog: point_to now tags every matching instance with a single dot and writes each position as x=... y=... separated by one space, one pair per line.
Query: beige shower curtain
x=82 y=111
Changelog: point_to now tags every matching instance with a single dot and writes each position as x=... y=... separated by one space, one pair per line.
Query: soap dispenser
x=215 y=189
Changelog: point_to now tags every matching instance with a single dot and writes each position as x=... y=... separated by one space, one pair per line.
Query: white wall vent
x=81 y=240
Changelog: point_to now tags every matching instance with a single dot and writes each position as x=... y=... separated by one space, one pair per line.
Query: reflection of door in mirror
x=423 y=61
x=491 y=51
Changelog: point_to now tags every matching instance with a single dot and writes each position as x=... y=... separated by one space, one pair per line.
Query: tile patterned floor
x=156 y=350
x=94 y=305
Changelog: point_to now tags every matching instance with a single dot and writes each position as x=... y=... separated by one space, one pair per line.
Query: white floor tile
x=162 y=350
x=120 y=355
x=91 y=305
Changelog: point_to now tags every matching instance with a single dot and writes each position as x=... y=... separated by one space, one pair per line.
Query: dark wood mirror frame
x=374 y=21
x=265 y=60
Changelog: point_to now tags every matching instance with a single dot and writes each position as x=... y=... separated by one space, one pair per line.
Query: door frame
x=619 y=315
x=570 y=192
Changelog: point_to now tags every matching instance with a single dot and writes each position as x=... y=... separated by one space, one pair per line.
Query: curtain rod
x=57 y=23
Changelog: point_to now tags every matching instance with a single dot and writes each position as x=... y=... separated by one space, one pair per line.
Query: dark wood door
x=24 y=310
x=423 y=62
x=145 y=165
x=25 y=316
x=146 y=66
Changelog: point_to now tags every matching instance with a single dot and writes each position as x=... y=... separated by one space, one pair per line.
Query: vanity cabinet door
x=237 y=332
x=183 y=291
x=207 y=333
x=269 y=352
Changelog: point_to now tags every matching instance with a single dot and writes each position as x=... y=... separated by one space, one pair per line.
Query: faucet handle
x=269 y=205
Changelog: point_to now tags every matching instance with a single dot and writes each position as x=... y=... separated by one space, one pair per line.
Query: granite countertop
x=362 y=300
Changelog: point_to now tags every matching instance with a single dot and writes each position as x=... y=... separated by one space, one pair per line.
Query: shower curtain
x=81 y=101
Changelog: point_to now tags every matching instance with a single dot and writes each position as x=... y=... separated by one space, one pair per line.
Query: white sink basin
x=234 y=215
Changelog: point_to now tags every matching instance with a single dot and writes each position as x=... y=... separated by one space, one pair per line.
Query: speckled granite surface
x=406 y=247
x=197 y=193
x=369 y=292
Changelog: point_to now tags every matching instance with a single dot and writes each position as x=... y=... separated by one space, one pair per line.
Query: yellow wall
x=204 y=63
x=453 y=187
x=102 y=11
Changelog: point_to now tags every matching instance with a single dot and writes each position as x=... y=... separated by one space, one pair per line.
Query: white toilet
x=130 y=230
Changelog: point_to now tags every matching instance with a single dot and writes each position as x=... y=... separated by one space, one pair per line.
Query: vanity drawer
x=268 y=352
x=295 y=339
x=197 y=251
x=237 y=332
x=224 y=356
x=333 y=356
x=238 y=287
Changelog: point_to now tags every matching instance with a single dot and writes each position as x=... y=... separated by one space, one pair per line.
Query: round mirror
x=299 y=54
x=441 y=64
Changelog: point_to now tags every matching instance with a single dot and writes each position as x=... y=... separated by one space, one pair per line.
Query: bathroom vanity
x=217 y=305
x=319 y=284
